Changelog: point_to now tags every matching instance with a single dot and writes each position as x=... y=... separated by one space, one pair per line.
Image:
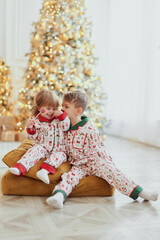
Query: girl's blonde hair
x=44 y=98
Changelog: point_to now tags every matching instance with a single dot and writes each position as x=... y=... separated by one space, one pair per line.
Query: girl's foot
x=43 y=175
x=15 y=171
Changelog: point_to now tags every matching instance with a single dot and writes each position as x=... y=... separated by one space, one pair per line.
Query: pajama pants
x=34 y=154
x=101 y=168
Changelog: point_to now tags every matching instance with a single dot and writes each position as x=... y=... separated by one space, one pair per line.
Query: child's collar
x=42 y=119
x=80 y=124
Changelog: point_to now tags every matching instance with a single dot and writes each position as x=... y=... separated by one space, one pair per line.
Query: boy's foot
x=15 y=171
x=150 y=196
x=56 y=200
x=43 y=175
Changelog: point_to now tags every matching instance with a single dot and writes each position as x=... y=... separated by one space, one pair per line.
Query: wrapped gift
x=8 y=136
x=20 y=136
x=7 y=123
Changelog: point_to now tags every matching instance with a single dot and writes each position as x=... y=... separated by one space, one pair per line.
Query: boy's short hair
x=79 y=98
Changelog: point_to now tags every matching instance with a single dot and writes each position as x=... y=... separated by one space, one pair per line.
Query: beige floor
x=92 y=218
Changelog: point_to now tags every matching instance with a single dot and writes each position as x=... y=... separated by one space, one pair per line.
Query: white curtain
x=131 y=66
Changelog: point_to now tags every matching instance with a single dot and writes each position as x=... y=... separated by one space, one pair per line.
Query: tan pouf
x=32 y=186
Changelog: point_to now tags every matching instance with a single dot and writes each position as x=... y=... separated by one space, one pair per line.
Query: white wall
x=16 y=17
x=2 y=28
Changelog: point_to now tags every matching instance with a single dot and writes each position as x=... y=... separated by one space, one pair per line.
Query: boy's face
x=70 y=109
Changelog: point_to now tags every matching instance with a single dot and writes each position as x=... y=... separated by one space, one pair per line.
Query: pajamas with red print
x=88 y=156
x=49 y=142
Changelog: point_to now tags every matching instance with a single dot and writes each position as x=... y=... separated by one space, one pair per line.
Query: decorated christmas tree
x=62 y=58
x=6 y=107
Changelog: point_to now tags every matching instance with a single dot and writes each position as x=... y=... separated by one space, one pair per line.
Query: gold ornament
x=89 y=72
x=104 y=137
x=81 y=33
x=99 y=125
x=58 y=87
x=65 y=37
x=54 y=69
x=62 y=59
x=52 y=78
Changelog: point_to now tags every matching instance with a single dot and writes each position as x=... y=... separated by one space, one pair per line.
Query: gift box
x=7 y=123
x=20 y=136
x=8 y=136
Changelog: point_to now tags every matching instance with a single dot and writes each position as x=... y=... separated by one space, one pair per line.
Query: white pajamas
x=49 y=143
x=88 y=156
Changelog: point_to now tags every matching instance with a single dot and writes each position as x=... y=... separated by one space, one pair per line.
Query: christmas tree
x=62 y=58
x=6 y=108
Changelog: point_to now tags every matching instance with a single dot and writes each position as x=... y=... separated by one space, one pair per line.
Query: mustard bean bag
x=33 y=186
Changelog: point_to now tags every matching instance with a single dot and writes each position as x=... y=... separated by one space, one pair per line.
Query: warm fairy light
x=62 y=58
x=36 y=37
x=6 y=106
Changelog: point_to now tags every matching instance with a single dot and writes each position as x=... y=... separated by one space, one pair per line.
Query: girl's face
x=47 y=111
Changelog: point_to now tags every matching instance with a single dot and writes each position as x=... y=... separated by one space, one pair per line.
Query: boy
x=87 y=156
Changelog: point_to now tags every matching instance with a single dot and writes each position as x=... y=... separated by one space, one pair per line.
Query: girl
x=47 y=129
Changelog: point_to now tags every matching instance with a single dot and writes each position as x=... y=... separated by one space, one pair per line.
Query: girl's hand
x=57 y=113
x=30 y=124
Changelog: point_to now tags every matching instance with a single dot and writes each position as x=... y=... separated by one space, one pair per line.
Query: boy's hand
x=30 y=124
x=57 y=113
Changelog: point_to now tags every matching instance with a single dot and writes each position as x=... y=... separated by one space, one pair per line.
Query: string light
x=62 y=58
x=6 y=106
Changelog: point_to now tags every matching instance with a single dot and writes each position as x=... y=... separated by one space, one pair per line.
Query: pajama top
x=84 y=144
x=49 y=143
x=50 y=133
